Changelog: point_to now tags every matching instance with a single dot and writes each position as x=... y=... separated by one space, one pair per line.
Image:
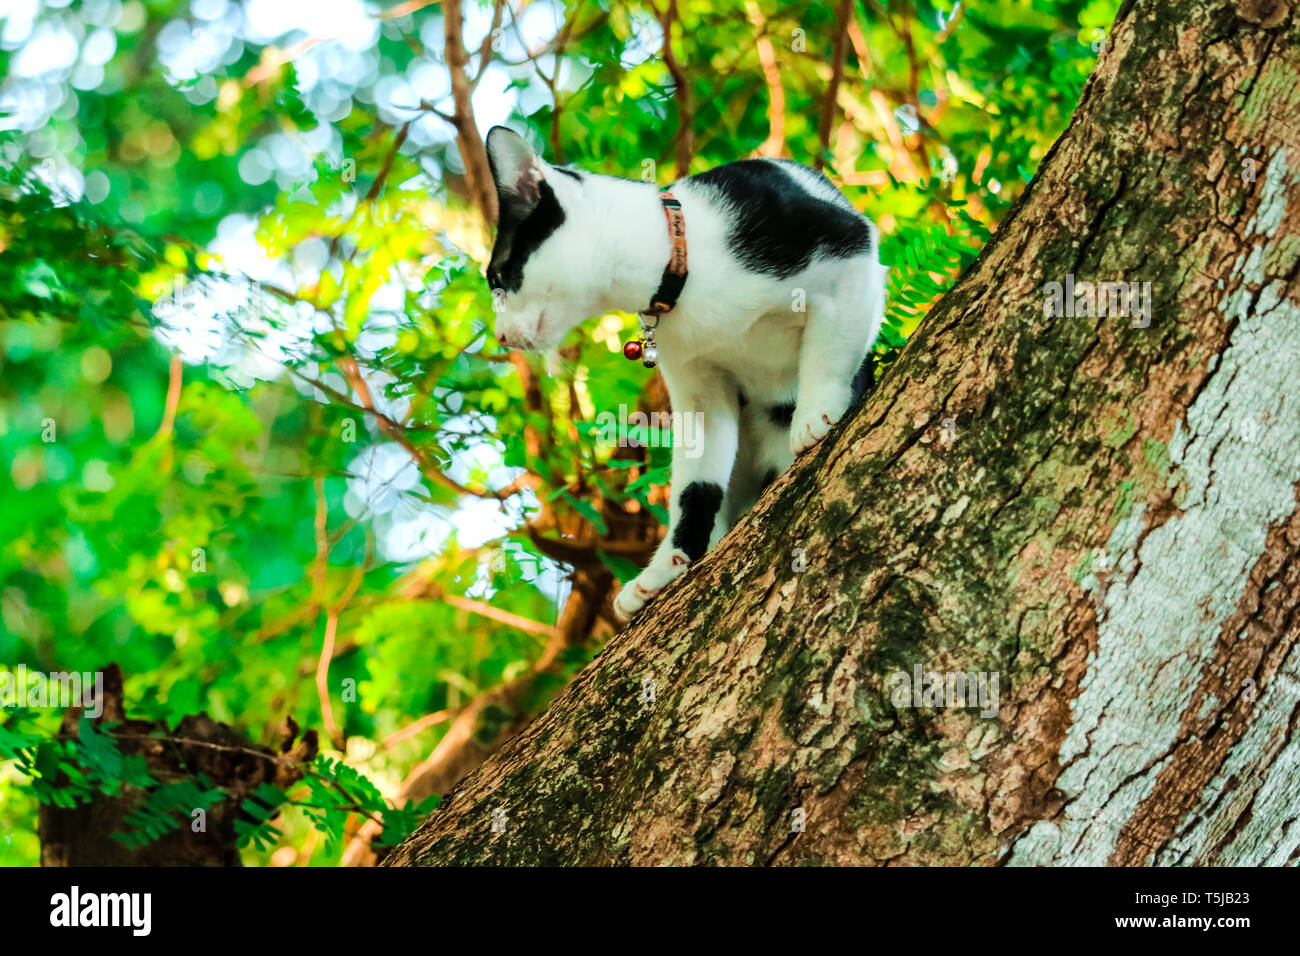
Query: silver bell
x=650 y=357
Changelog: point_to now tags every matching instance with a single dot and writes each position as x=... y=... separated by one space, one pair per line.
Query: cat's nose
x=501 y=337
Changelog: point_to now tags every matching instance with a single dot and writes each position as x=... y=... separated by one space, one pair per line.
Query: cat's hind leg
x=766 y=431
x=701 y=473
x=745 y=485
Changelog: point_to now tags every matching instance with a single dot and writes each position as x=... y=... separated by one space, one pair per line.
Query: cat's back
x=780 y=215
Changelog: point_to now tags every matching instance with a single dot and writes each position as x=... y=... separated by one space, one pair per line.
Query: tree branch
x=682 y=94
x=839 y=53
x=478 y=174
x=774 y=145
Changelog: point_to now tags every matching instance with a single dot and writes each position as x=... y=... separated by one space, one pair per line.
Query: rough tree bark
x=1111 y=528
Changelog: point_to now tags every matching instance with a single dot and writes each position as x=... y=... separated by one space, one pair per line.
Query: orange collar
x=674 y=278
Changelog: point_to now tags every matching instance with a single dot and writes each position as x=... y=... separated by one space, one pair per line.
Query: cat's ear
x=516 y=169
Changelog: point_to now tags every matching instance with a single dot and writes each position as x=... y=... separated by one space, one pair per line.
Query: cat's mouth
x=532 y=339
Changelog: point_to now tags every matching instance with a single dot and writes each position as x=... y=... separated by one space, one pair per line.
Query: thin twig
x=774 y=145
x=417 y=727
x=174 y=377
x=681 y=91
x=839 y=53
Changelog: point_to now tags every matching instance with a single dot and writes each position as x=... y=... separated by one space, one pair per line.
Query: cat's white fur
x=731 y=330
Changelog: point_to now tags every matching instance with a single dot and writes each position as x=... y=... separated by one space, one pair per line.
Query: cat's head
x=541 y=267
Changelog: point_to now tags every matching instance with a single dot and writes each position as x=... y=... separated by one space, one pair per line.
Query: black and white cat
x=767 y=346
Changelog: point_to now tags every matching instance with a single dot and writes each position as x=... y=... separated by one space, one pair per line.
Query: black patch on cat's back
x=521 y=230
x=699 y=501
x=778 y=224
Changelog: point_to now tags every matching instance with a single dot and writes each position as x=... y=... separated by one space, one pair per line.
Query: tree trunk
x=1108 y=527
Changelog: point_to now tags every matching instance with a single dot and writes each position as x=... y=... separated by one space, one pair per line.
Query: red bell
x=632 y=350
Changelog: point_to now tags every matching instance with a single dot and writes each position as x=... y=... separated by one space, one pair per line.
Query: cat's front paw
x=645 y=587
x=813 y=420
